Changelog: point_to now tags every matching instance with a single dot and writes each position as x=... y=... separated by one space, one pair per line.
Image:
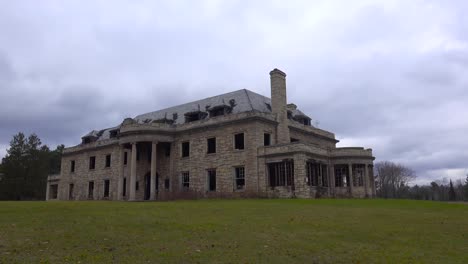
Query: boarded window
x=239 y=141
x=92 y=162
x=211 y=148
x=72 y=166
x=185 y=180
x=281 y=173
x=240 y=178
x=108 y=161
x=211 y=180
x=106 y=188
x=266 y=139
x=185 y=149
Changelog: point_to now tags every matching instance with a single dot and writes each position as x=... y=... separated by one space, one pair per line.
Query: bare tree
x=392 y=179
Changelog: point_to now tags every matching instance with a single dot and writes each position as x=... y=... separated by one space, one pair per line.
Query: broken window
x=92 y=162
x=294 y=140
x=185 y=149
x=53 y=194
x=91 y=190
x=316 y=174
x=194 y=116
x=217 y=111
x=125 y=157
x=211 y=180
x=211 y=148
x=106 y=188
x=341 y=175
x=281 y=173
x=240 y=178
x=108 y=161
x=124 y=191
x=185 y=180
x=72 y=166
x=70 y=191
x=239 y=141
x=266 y=139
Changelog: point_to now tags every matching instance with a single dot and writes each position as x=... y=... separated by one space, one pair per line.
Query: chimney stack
x=279 y=104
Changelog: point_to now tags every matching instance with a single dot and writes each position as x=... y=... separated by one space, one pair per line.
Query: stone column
x=332 y=180
x=121 y=174
x=153 y=171
x=47 y=191
x=351 y=183
x=366 y=180
x=133 y=170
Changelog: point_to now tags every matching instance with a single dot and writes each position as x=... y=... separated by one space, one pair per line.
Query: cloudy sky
x=389 y=75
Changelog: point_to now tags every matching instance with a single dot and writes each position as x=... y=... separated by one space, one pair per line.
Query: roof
x=241 y=101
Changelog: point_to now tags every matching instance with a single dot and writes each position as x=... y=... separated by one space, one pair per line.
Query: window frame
x=92 y=162
x=182 y=149
x=185 y=180
x=108 y=161
x=243 y=141
x=237 y=177
x=213 y=149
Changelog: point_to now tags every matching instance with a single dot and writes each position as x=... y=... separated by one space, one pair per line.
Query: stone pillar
x=332 y=180
x=351 y=183
x=153 y=171
x=133 y=170
x=279 y=105
x=47 y=191
x=366 y=180
x=121 y=174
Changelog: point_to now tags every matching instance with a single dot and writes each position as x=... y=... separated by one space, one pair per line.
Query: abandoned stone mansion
x=235 y=144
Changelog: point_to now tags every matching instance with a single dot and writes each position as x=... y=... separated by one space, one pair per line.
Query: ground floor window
x=281 y=173
x=341 y=175
x=358 y=174
x=316 y=174
x=239 y=180
x=211 y=180
x=106 y=188
x=166 y=184
x=70 y=191
x=53 y=191
x=91 y=190
x=185 y=180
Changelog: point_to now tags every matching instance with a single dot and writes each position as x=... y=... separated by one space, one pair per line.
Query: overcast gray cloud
x=390 y=75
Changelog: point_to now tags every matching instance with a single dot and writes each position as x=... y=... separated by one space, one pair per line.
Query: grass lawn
x=234 y=231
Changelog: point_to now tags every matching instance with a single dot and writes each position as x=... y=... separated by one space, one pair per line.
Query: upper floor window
x=211 y=145
x=108 y=161
x=72 y=166
x=266 y=139
x=185 y=149
x=92 y=162
x=239 y=141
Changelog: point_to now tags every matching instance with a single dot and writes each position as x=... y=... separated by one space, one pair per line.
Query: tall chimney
x=278 y=105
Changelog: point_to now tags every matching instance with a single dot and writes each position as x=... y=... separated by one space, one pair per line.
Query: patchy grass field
x=234 y=231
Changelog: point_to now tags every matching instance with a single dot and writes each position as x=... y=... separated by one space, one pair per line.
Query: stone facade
x=250 y=146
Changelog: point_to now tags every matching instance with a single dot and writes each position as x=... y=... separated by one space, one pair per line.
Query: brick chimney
x=278 y=105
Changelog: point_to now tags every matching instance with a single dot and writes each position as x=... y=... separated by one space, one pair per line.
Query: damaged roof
x=241 y=101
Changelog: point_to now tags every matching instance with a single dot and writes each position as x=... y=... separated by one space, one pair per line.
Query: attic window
x=194 y=116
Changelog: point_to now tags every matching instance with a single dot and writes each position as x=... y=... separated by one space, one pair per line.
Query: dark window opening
x=106 y=188
x=212 y=180
x=239 y=141
x=240 y=178
x=167 y=150
x=124 y=191
x=324 y=175
x=185 y=180
x=316 y=174
x=281 y=173
x=194 y=116
x=72 y=166
x=166 y=184
x=211 y=145
x=53 y=191
x=266 y=139
x=341 y=176
x=218 y=111
x=137 y=154
x=113 y=133
x=125 y=157
x=149 y=151
x=358 y=174
x=185 y=149
x=92 y=162
x=137 y=185
x=70 y=191
x=294 y=140
x=91 y=190
x=108 y=161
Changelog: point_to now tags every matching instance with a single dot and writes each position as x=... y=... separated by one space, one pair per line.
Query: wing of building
x=238 y=144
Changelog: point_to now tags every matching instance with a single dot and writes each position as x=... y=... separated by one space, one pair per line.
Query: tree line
x=392 y=180
x=25 y=168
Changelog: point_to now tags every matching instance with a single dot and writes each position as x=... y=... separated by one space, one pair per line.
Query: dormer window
x=194 y=116
x=219 y=110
